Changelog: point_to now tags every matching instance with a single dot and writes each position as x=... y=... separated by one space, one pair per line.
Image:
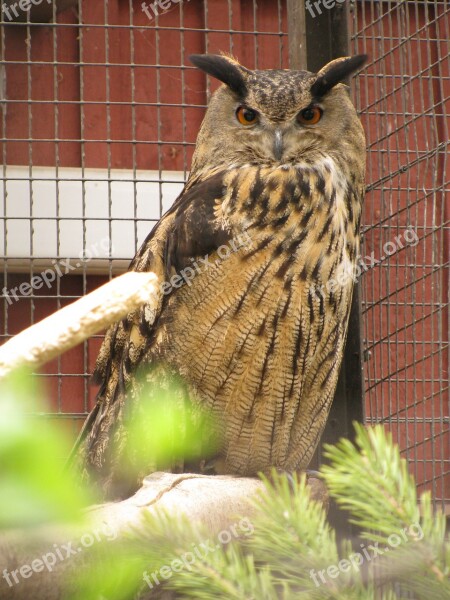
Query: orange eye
x=310 y=115
x=246 y=116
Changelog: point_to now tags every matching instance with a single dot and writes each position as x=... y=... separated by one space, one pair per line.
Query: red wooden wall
x=404 y=99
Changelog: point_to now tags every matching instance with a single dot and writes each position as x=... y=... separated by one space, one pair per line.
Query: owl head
x=277 y=117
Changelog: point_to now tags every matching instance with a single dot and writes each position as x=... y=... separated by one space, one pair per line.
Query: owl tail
x=107 y=455
x=97 y=457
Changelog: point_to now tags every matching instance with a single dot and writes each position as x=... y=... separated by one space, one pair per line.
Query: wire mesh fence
x=403 y=98
x=100 y=111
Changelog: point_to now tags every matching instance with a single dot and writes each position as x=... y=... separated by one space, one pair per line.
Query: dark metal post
x=327 y=37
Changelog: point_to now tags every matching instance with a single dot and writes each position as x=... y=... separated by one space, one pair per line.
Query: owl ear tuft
x=224 y=69
x=334 y=72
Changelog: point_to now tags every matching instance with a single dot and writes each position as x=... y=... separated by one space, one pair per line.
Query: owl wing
x=189 y=230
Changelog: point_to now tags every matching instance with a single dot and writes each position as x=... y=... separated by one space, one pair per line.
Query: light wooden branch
x=215 y=502
x=78 y=321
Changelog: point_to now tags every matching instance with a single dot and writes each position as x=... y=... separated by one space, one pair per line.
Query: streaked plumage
x=257 y=335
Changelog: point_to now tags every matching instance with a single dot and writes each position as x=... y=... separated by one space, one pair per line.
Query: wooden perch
x=75 y=323
x=216 y=502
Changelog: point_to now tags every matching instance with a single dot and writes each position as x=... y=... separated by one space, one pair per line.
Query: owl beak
x=278 y=144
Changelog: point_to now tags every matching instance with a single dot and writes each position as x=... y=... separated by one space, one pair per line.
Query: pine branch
x=375 y=486
x=293 y=551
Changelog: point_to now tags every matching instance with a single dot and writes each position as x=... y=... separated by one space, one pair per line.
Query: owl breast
x=259 y=331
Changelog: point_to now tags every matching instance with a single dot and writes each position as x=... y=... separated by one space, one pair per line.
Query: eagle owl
x=269 y=222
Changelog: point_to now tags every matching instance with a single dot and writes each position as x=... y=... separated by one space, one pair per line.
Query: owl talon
x=317 y=487
x=311 y=473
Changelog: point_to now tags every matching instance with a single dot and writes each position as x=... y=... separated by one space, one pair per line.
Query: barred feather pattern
x=258 y=336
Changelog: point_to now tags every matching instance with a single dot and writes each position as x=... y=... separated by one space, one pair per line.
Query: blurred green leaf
x=165 y=427
x=115 y=577
x=33 y=488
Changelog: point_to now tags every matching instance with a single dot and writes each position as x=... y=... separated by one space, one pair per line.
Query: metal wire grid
x=88 y=47
x=404 y=99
